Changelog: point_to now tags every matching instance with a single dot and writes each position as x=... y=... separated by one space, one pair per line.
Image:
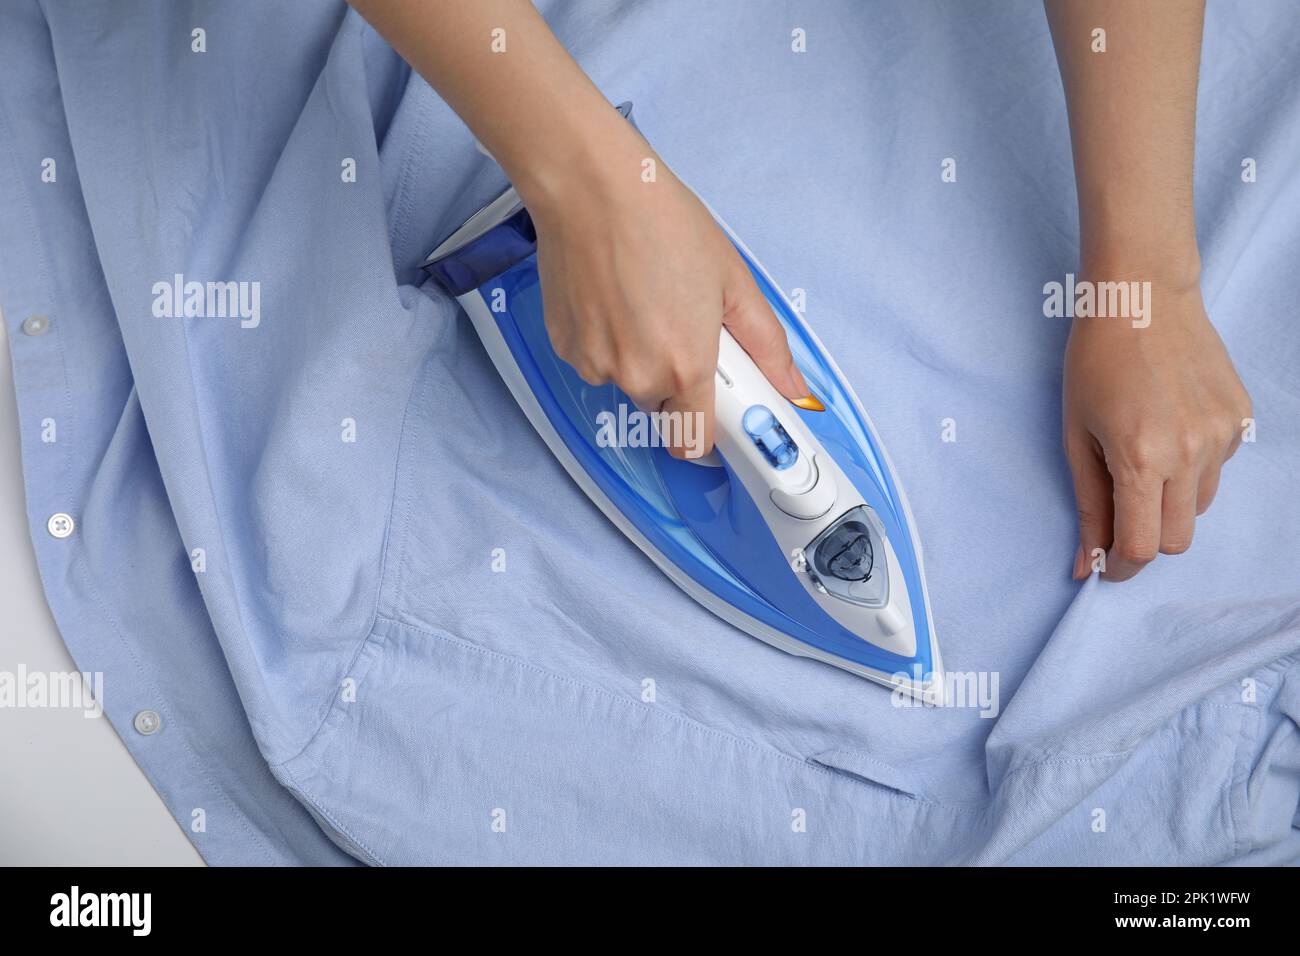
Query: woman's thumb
x=749 y=318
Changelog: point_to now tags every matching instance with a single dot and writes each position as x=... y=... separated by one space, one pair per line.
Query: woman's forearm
x=498 y=65
x=1132 y=127
x=637 y=279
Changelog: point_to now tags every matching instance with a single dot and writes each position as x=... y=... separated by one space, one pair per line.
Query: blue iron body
x=700 y=520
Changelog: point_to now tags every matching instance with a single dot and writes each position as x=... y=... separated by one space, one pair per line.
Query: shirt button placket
x=60 y=525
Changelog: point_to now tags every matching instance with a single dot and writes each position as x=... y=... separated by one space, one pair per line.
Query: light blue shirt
x=306 y=529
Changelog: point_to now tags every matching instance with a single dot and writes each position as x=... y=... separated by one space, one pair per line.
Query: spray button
x=772 y=440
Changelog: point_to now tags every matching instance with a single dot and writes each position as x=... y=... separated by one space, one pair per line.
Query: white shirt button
x=36 y=324
x=60 y=525
x=147 y=722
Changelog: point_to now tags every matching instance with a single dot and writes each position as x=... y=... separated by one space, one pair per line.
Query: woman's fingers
x=1094 y=502
x=1138 y=504
x=1178 y=513
x=687 y=417
x=1208 y=487
x=1137 y=517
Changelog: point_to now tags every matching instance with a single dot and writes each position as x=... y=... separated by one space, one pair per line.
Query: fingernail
x=809 y=403
x=1080 y=563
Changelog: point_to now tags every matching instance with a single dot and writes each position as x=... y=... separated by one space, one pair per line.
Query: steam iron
x=796 y=531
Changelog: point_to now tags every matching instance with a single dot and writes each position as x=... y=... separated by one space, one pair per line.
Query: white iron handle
x=760 y=434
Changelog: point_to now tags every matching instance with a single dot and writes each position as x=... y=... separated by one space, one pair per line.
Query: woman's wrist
x=1139 y=233
x=1167 y=261
x=591 y=154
